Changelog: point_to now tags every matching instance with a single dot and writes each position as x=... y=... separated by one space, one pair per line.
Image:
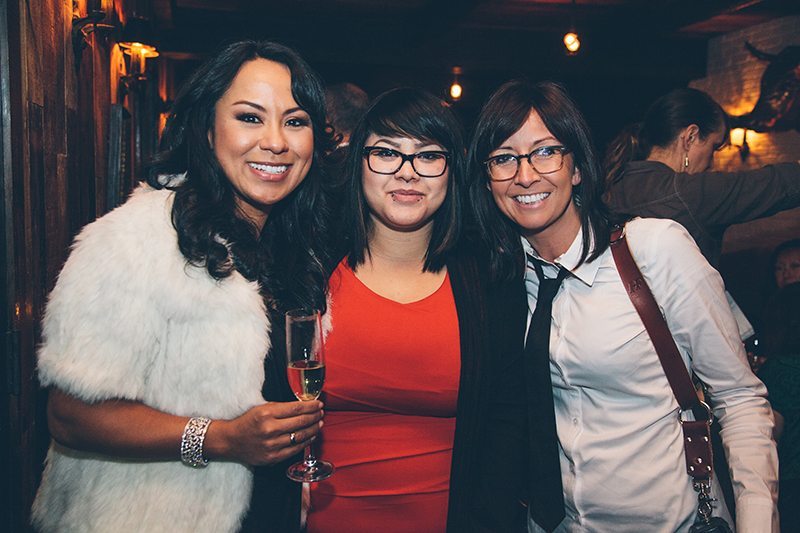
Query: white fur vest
x=128 y=318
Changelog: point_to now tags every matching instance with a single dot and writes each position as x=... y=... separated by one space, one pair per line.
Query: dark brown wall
x=55 y=141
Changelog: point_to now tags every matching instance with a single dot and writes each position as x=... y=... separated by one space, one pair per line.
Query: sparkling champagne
x=305 y=369
x=306 y=379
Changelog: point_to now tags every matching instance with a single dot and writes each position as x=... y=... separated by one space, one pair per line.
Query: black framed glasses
x=428 y=163
x=544 y=160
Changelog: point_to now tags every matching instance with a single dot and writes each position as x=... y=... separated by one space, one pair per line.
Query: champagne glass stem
x=310 y=459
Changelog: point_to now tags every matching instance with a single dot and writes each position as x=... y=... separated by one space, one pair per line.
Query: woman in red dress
x=415 y=419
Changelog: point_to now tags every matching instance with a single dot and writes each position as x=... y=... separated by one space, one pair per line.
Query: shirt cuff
x=756 y=517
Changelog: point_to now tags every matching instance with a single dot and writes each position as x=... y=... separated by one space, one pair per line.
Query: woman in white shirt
x=536 y=187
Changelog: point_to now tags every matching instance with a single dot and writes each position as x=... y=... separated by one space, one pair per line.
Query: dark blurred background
x=632 y=50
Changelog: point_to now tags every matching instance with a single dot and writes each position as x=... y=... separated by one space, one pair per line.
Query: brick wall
x=733 y=77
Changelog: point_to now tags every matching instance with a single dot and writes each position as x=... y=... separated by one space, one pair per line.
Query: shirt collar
x=586 y=272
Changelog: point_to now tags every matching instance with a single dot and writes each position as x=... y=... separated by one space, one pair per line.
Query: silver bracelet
x=192 y=442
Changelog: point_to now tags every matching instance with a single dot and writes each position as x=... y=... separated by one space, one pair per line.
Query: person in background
x=781 y=374
x=784 y=269
x=425 y=413
x=619 y=459
x=155 y=334
x=785 y=263
x=345 y=103
x=662 y=168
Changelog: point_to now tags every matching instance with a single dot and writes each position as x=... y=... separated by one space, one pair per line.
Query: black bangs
x=407 y=112
x=507 y=115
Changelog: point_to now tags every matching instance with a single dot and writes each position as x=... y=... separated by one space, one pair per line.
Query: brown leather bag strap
x=654 y=322
x=697 y=434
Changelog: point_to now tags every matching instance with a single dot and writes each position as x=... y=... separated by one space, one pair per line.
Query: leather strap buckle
x=697 y=445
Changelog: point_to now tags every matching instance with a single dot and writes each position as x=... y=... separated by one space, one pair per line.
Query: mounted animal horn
x=778 y=105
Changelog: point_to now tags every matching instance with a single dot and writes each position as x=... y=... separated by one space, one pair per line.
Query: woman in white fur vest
x=156 y=331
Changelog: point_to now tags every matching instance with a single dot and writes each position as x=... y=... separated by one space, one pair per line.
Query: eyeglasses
x=544 y=160
x=428 y=164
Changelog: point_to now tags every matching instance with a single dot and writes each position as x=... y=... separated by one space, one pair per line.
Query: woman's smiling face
x=404 y=200
x=263 y=140
x=540 y=204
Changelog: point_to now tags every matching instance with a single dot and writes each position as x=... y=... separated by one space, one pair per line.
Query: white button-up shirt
x=622 y=455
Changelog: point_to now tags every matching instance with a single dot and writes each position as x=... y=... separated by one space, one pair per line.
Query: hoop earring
x=686 y=161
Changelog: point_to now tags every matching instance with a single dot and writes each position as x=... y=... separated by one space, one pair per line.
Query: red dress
x=391 y=388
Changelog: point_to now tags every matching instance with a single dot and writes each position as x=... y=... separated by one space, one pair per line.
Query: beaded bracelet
x=192 y=442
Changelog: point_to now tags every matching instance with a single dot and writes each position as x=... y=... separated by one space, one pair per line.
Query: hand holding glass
x=305 y=368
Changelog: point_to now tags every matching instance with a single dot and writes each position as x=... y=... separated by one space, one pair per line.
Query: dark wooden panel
x=100 y=105
x=37 y=208
x=81 y=146
x=57 y=124
x=27 y=406
x=115 y=153
x=9 y=374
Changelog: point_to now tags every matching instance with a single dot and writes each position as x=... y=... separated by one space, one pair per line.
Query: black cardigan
x=489 y=468
x=488 y=478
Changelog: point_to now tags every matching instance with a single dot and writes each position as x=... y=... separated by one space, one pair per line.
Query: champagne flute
x=305 y=368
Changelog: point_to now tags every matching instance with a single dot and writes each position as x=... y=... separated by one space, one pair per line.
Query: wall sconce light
x=739 y=140
x=455 y=88
x=571 y=40
x=137 y=43
x=82 y=27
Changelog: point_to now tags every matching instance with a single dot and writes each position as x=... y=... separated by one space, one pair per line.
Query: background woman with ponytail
x=662 y=168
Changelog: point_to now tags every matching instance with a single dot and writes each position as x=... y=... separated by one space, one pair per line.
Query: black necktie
x=547 y=498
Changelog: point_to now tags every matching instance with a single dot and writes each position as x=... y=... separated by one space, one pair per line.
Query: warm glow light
x=572 y=42
x=146 y=49
x=737 y=136
x=139 y=53
x=738 y=139
x=455 y=90
x=138 y=60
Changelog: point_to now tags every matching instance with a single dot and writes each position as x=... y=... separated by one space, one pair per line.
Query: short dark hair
x=785 y=246
x=281 y=256
x=503 y=114
x=662 y=123
x=346 y=103
x=791 y=244
x=417 y=114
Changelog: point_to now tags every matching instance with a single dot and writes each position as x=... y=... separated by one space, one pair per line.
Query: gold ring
x=292 y=438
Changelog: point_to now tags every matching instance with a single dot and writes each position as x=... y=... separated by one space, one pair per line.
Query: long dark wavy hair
x=503 y=114
x=288 y=257
x=662 y=123
x=414 y=113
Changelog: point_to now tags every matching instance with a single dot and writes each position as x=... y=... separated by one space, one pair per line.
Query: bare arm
x=124 y=428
